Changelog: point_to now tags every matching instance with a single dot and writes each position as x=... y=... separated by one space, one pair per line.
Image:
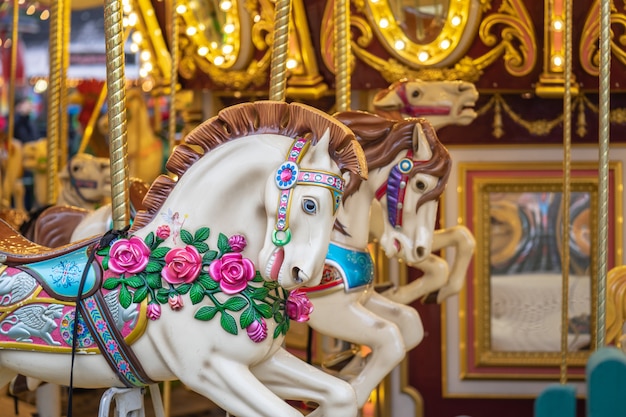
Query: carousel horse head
x=409 y=169
x=245 y=217
x=441 y=102
x=85 y=182
x=145 y=148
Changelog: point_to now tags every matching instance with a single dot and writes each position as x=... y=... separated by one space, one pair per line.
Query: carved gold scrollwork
x=589 y=48
x=517 y=26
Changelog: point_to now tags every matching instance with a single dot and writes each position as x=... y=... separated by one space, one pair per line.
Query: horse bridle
x=288 y=175
x=418 y=111
x=395 y=188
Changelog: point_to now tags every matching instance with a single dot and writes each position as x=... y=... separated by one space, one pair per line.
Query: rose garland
x=144 y=269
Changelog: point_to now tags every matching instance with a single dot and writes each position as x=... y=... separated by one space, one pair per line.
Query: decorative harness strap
x=395 y=188
x=288 y=175
x=419 y=111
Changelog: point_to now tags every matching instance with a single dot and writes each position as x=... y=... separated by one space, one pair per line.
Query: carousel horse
x=12 y=173
x=225 y=249
x=616 y=306
x=442 y=103
x=85 y=182
x=408 y=170
x=145 y=148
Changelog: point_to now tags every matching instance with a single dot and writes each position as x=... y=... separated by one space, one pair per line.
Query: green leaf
x=278 y=317
x=150 y=240
x=162 y=295
x=140 y=294
x=153 y=266
x=197 y=293
x=202 y=234
x=208 y=282
x=259 y=293
x=209 y=257
x=228 y=323
x=257 y=277
x=264 y=310
x=247 y=317
x=206 y=313
x=277 y=331
x=105 y=263
x=154 y=280
x=126 y=297
x=186 y=237
x=183 y=289
x=201 y=246
x=159 y=253
x=235 y=303
x=111 y=283
x=222 y=243
x=103 y=251
x=134 y=282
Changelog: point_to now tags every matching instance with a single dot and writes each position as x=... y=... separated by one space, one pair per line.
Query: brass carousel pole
x=63 y=91
x=13 y=73
x=173 y=76
x=278 y=73
x=342 y=55
x=603 y=167
x=54 y=93
x=567 y=157
x=113 y=23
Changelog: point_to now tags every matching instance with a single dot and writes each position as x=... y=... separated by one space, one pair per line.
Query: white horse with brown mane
x=145 y=148
x=442 y=103
x=219 y=252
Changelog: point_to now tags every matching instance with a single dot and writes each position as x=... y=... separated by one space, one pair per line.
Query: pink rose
x=299 y=306
x=233 y=272
x=175 y=302
x=257 y=330
x=163 y=232
x=154 y=311
x=182 y=265
x=128 y=256
x=237 y=243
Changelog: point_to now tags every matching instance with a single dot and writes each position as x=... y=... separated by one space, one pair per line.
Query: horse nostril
x=420 y=251
x=295 y=274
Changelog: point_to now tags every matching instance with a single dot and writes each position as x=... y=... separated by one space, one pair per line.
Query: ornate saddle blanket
x=352 y=268
x=38 y=304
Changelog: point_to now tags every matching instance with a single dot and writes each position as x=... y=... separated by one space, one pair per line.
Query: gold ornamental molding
x=509 y=32
x=589 y=47
x=236 y=53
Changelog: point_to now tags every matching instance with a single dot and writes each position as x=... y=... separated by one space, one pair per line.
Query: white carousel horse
x=85 y=182
x=406 y=159
x=145 y=148
x=441 y=102
x=225 y=247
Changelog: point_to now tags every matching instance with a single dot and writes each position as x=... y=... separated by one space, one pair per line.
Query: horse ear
x=319 y=150
x=421 y=147
x=387 y=99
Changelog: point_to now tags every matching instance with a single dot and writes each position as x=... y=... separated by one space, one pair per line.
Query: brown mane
x=382 y=139
x=261 y=117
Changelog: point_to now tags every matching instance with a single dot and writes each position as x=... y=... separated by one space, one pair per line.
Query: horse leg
x=233 y=387
x=406 y=318
x=461 y=239
x=291 y=378
x=336 y=317
x=435 y=276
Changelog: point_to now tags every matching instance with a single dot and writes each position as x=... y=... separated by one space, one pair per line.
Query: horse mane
x=261 y=117
x=382 y=139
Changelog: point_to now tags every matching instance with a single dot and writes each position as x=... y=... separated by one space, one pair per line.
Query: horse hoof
x=430 y=298
x=18 y=385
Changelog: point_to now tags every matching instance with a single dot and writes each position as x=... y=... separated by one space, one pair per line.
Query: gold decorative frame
x=479 y=183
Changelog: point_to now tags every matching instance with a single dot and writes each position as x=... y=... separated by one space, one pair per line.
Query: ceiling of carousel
x=512 y=51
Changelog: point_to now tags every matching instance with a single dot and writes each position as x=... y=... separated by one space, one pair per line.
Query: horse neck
x=224 y=191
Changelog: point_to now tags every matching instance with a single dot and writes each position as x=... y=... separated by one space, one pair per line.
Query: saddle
x=16 y=250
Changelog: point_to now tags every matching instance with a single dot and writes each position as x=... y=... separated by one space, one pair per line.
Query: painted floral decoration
x=146 y=269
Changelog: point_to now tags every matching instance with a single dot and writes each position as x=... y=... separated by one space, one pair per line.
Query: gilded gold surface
x=589 y=49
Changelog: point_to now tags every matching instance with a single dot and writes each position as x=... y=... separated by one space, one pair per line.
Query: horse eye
x=75 y=168
x=309 y=206
x=415 y=93
x=420 y=185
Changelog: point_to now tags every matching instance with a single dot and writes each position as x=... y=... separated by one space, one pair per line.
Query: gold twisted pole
x=603 y=167
x=342 y=54
x=173 y=76
x=65 y=64
x=13 y=72
x=54 y=93
x=280 y=45
x=113 y=22
x=567 y=158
